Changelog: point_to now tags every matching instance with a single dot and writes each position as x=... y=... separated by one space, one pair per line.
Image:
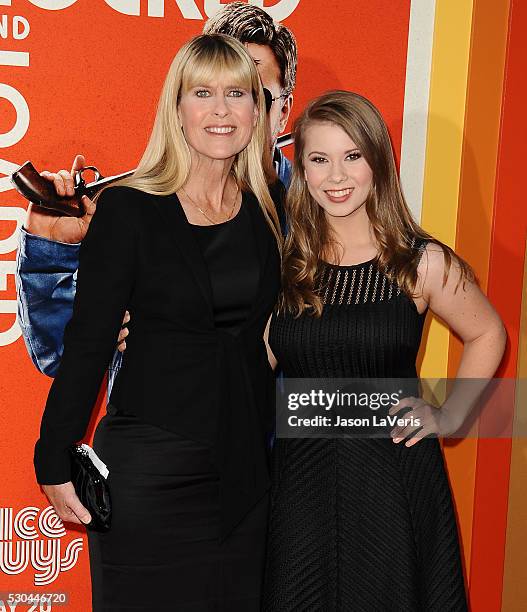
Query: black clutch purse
x=91 y=488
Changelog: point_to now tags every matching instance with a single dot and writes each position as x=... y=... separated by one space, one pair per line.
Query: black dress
x=359 y=524
x=163 y=550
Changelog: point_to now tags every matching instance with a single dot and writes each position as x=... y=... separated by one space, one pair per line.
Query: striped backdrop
x=462 y=165
x=450 y=78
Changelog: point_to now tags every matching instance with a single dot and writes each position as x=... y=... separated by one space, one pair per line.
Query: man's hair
x=251 y=24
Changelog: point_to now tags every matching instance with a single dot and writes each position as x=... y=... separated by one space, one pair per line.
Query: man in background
x=48 y=254
x=273 y=48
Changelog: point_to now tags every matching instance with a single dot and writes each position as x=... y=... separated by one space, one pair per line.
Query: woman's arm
x=104 y=285
x=468 y=313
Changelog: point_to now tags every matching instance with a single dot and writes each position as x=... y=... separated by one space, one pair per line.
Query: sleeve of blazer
x=107 y=261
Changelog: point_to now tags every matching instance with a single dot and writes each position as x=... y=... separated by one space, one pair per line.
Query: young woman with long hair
x=366 y=523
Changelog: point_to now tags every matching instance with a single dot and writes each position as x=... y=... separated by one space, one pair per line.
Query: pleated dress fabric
x=359 y=524
x=163 y=551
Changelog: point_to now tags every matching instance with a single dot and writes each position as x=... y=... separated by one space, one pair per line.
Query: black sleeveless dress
x=359 y=524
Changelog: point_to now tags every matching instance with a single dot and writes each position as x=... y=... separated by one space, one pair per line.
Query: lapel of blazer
x=263 y=239
x=172 y=211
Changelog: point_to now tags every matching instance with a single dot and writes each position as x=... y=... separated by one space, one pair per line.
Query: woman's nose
x=221 y=107
x=337 y=173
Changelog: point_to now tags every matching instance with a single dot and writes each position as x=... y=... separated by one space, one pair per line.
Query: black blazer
x=179 y=372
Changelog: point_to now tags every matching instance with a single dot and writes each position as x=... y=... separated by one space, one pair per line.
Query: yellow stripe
x=448 y=86
x=441 y=191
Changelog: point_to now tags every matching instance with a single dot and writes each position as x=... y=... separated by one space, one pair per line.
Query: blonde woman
x=366 y=524
x=190 y=247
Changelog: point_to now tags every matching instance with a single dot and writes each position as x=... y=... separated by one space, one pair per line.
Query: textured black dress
x=359 y=524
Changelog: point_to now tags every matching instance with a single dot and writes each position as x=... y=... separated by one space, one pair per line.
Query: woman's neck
x=207 y=181
x=355 y=237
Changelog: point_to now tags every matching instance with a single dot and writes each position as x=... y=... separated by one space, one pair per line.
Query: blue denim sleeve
x=282 y=166
x=45 y=280
x=284 y=171
x=46 y=275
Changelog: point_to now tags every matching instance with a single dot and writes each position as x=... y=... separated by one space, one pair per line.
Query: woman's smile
x=338 y=196
x=220 y=130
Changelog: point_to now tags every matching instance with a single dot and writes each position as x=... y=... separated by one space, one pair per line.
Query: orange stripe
x=476 y=204
x=505 y=286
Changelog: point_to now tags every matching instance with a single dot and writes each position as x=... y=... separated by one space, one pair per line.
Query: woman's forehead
x=207 y=76
x=330 y=133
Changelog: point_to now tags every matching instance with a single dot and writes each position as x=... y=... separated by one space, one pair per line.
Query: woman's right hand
x=52 y=225
x=66 y=503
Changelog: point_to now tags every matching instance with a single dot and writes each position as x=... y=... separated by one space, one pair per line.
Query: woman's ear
x=178 y=114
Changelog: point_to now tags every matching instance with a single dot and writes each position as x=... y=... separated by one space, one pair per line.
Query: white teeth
x=340 y=193
x=220 y=130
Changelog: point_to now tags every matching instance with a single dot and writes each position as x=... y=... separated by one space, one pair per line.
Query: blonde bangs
x=212 y=64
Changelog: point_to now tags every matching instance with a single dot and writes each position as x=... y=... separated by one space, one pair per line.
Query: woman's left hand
x=422 y=420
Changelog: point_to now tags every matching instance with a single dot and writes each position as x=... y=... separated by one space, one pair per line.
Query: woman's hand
x=121 y=342
x=50 y=224
x=66 y=503
x=421 y=421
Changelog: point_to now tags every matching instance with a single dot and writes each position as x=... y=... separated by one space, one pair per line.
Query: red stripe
x=505 y=287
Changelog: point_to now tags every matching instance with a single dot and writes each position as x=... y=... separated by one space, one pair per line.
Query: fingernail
x=396 y=440
x=86 y=519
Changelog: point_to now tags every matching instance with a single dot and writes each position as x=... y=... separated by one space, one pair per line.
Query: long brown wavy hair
x=311 y=239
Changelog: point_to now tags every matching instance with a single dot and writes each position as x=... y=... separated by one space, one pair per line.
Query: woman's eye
x=202 y=93
x=353 y=156
x=236 y=93
x=318 y=160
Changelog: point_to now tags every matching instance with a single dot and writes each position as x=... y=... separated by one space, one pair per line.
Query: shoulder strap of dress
x=419 y=245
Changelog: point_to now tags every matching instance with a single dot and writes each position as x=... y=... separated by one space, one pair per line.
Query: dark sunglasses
x=269 y=99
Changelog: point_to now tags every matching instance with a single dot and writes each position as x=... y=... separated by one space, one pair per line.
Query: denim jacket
x=46 y=275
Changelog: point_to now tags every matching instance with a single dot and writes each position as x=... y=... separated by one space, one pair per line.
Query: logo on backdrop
x=32 y=538
x=156 y=8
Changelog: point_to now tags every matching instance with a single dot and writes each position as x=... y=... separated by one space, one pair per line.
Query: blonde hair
x=310 y=238
x=165 y=165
